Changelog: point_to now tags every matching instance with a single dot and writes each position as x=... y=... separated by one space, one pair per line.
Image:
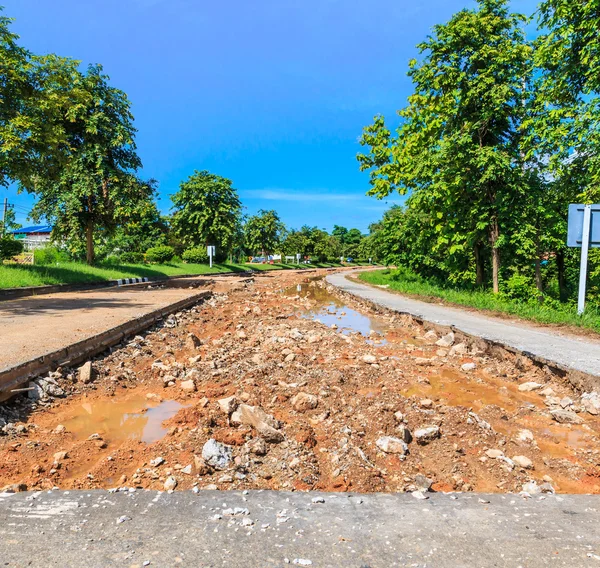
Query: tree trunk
x=494 y=235
x=562 y=281
x=479 y=274
x=89 y=235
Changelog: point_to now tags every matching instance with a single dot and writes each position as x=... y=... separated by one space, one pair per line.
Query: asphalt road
x=267 y=528
x=566 y=351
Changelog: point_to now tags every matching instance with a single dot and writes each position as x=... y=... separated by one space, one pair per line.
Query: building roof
x=33 y=229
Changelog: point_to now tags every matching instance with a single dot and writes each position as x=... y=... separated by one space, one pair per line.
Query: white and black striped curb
x=125 y=281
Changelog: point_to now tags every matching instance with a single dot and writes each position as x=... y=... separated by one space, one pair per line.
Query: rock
x=532 y=488
x=369 y=359
x=61 y=456
x=472 y=417
x=51 y=388
x=257 y=446
x=565 y=402
x=591 y=402
x=422 y=361
x=529 y=386
x=523 y=461
x=157 y=461
x=201 y=467
x=86 y=373
x=468 y=366
x=188 y=386
x=548 y=391
x=425 y=435
x=303 y=402
x=170 y=483
x=228 y=405
x=187 y=469
x=262 y=422
x=404 y=433
x=431 y=335
x=525 y=435
x=216 y=454
x=192 y=341
x=391 y=445
x=494 y=454
x=398 y=416
x=60 y=429
x=422 y=483
x=565 y=416
x=459 y=349
x=426 y=403
x=546 y=488
x=37 y=392
x=446 y=341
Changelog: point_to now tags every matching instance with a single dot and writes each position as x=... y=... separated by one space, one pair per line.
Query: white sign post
x=211 y=251
x=298 y=258
x=583 y=231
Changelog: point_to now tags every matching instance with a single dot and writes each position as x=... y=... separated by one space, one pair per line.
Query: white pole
x=585 y=245
x=210 y=256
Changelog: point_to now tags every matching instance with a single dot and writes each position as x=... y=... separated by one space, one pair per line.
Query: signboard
x=210 y=250
x=575 y=225
x=583 y=231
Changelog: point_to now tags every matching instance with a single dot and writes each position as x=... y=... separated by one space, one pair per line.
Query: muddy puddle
x=133 y=418
x=331 y=311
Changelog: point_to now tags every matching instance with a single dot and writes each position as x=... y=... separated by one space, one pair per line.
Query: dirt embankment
x=278 y=383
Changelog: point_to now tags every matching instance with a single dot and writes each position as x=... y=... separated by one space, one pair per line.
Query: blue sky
x=270 y=93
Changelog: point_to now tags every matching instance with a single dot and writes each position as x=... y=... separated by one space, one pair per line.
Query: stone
x=548 y=391
x=60 y=456
x=426 y=403
x=565 y=402
x=494 y=454
x=391 y=445
x=431 y=335
x=422 y=361
x=459 y=349
x=303 y=402
x=369 y=359
x=192 y=341
x=170 y=483
x=51 y=388
x=591 y=402
x=262 y=422
x=60 y=429
x=404 y=433
x=157 y=461
x=398 y=416
x=523 y=461
x=446 y=341
x=201 y=466
x=86 y=373
x=424 y=436
x=216 y=454
x=257 y=446
x=229 y=404
x=530 y=386
x=565 y=416
x=532 y=488
x=188 y=386
x=36 y=393
x=468 y=366
x=422 y=483
x=524 y=435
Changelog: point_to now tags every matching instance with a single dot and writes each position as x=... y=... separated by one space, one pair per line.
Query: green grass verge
x=17 y=276
x=564 y=314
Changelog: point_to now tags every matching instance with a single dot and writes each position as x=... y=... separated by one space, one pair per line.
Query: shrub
x=9 y=247
x=520 y=287
x=196 y=255
x=132 y=257
x=404 y=274
x=50 y=255
x=161 y=254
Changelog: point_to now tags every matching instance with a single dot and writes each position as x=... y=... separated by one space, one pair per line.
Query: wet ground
x=267 y=341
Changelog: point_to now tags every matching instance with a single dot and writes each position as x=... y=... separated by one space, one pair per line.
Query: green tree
x=264 y=232
x=96 y=188
x=458 y=147
x=207 y=211
x=39 y=95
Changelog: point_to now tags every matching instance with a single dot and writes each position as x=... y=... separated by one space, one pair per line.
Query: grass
x=561 y=314
x=17 y=276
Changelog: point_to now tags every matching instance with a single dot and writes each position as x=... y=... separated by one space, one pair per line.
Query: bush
x=520 y=287
x=404 y=274
x=132 y=257
x=160 y=255
x=9 y=247
x=49 y=255
x=196 y=255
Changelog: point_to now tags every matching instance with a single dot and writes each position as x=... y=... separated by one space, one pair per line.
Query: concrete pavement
x=567 y=352
x=267 y=528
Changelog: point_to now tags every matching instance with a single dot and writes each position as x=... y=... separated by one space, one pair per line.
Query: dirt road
x=281 y=383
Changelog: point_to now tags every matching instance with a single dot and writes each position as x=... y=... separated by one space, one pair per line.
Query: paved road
x=566 y=351
x=31 y=327
x=101 y=529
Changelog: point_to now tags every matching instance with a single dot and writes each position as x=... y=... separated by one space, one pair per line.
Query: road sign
x=210 y=250
x=583 y=231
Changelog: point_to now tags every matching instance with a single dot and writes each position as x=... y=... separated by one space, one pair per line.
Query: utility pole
x=4 y=210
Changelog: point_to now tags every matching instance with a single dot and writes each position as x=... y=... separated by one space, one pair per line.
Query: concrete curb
x=582 y=379
x=13 y=377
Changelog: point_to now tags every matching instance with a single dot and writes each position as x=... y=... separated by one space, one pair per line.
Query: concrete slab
x=563 y=350
x=213 y=528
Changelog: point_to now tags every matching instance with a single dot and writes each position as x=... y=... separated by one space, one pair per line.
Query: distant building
x=35 y=237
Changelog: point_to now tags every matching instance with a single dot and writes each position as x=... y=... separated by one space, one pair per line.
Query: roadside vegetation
x=550 y=312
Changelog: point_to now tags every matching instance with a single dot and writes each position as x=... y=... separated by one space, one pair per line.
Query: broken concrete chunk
x=229 y=404
x=188 y=386
x=446 y=341
x=529 y=386
x=391 y=445
x=216 y=454
x=425 y=435
x=565 y=416
x=86 y=373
